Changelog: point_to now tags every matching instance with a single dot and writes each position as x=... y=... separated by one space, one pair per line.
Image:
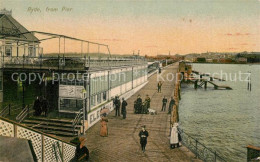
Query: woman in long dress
x=104 y=129
x=174 y=140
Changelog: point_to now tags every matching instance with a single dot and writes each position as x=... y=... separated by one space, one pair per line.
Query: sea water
x=224 y=120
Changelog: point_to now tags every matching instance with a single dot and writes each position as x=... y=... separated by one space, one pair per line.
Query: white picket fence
x=42 y=143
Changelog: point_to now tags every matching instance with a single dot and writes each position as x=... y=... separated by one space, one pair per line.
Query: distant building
x=253 y=57
x=241 y=60
x=209 y=60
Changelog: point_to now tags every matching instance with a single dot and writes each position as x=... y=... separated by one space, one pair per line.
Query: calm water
x=224 y=120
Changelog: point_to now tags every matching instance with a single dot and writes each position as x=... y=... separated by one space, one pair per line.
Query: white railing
x=42 y=143
x=23 y=114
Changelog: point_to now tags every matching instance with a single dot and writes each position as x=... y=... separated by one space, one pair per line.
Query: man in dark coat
x=143 y=134
x=148 y=100
x=139 y=104
x=45 y=106
x=82 y=152
x=117 y=104
x=37 y=107
x=123 y=110
x=172 y=103
x=164 y=101
x=159 y=86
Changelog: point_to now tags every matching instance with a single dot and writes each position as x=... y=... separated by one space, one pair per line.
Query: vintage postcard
x=129 y=80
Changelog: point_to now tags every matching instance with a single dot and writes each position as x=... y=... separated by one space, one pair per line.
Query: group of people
x=175 y=137
x=82 y=153
x=41 y=105
x=117 y=103
x=142 y=107
x=171 y=104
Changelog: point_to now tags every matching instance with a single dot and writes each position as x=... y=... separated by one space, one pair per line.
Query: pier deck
x=122 y=143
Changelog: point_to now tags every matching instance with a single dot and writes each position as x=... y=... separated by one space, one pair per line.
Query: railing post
x=9 y=108
x=215 y=156
x=28 y=113
x=62 y=153
x=196 y=148
x=43 y=148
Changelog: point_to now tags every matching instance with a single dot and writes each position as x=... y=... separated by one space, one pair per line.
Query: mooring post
x=196 y=84
x=205 y=84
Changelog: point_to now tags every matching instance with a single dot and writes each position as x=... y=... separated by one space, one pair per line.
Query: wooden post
x=42 y=148
x=211 y=78
x=9 y=107
x=205 y=84
x=196 y=84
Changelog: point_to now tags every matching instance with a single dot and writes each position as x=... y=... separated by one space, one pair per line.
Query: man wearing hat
x=123 y=110
x=143 y=134
x=117 y=104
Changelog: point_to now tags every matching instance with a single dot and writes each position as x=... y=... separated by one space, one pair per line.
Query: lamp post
x=23 y=95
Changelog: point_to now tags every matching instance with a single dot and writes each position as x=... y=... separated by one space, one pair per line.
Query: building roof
x=12 y=29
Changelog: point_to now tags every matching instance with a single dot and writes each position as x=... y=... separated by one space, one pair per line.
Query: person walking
x=172 y=103
x=159 y=86
x=103 y=128
x=174 y=139
x=117 y=104
x=123 y=110
x=143 y=134
x=164 y=102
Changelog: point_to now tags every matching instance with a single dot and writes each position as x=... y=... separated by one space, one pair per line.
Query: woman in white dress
x=174 y=140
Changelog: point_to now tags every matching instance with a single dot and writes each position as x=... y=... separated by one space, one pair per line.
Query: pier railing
x=42 y=143
x=200 y=150
x=65 y=63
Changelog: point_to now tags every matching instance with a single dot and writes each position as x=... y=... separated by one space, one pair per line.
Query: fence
x=199 y=149
x=65 y=63
x=42 y=143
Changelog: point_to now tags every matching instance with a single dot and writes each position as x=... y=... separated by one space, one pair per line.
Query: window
x=31 y=51
x=8 y=50
x=99 y=98
x=71 y=104
x=93 y=101
x=104 y=96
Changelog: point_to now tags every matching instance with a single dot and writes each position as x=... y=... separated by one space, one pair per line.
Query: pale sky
x=151 y=26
